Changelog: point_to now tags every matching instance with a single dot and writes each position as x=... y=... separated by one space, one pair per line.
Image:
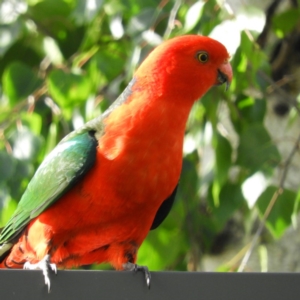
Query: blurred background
x=63 y=62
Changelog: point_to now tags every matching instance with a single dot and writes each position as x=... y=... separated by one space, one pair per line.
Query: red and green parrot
x=106 y=185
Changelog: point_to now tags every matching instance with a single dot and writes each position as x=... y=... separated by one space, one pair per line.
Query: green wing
x=69 y=161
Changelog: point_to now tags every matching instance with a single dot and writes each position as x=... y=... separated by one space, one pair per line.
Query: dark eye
x=202 y=56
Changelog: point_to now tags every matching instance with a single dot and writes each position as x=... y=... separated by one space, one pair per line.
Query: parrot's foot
x=134 y=267
x=43 y=265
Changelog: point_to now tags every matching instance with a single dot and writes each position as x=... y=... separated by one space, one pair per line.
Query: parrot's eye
x=202 y=56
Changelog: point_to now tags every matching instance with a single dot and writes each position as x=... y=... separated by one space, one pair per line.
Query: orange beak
x=224 y=75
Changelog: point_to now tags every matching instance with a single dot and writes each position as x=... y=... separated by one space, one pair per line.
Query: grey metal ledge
x=90 y=285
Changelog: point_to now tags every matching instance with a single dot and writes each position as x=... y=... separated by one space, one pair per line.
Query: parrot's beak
x=224 y=75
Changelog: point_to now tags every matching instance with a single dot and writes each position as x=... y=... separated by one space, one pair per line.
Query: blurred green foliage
x=62 y=62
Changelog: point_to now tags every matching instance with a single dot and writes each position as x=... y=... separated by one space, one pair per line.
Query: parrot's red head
x=163 y=91
x=187 y=66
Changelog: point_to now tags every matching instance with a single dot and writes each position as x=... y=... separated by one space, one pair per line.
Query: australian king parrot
x=101 y=190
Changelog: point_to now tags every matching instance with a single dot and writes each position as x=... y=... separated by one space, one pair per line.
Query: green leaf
x=105 y=65
x=7 y=211
x=70 y=41
x=12 y=31
x=32 y=121
x=189 y=181
x=51 y=140
x=253 y=53
x=256 y=150
x=193 y=15
x=52 y=17
x=210 y=102
x=56 y=19
x=141 y=22
x=210 y=17
x=21 y=51
x=114 y=7
x=223 y=153
x=162 y=247
x=239 y=64
x=231 y=198
x=223 y=157
x=84 y=12
x=286 y=21
x=168 y=243
x=19 y=81
x=250 y=110
x=280 y=217
x=247 y=45
x=68 y=88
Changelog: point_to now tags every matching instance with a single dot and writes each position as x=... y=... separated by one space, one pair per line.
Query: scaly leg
x=43 y=265
x=134 y=267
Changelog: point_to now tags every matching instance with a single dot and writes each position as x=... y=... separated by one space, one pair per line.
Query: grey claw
x=145 y=270
x=43 y=265
x=134 y=267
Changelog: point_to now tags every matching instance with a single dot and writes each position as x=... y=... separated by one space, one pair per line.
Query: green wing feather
x=69 y=161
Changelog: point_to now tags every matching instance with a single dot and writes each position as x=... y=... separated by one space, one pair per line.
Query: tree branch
x=273 y=200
